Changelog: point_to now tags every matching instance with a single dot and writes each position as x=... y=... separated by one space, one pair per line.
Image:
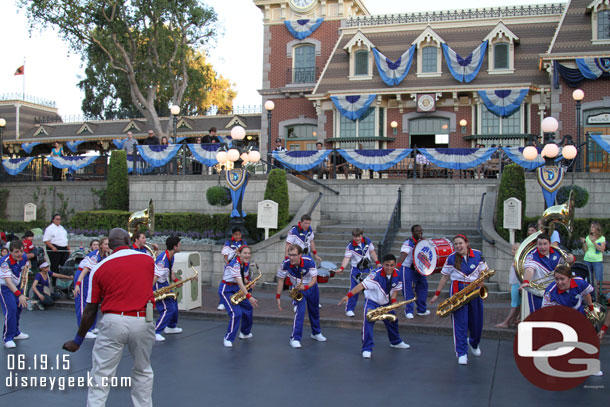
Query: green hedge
x=218 y=195
x=20 y=227
x=512 y=185
x=581 y=196
x=277 y=191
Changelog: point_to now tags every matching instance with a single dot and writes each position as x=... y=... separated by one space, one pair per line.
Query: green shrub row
x=580 y=229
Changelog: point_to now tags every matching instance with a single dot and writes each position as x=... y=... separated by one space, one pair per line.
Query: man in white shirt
x=56 y=239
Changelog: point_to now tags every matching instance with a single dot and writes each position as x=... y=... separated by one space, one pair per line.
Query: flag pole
x=23 y=81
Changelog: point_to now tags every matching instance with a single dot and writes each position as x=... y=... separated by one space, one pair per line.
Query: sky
x=52 y=71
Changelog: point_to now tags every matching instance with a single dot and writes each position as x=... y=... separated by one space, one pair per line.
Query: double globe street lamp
x=238 y=155
x=550 y=151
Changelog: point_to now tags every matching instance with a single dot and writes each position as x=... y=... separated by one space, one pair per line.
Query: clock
x=426 y=103
x=302 y=6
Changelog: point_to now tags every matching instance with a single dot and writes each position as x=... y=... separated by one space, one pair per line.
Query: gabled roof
x=428 y=35
x=358 y=40
x=502 y=31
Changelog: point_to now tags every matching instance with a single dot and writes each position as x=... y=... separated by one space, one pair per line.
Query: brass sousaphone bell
x=139 y=218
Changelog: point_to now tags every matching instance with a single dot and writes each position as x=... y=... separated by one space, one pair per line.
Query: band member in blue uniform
x=236 y=276
x=302 y=235
x=380 y=289
x=302 y=272
x=99 y=251
x=12 y=299
x=360 y=253
x=412 y=277
x=229 y=250
x=139 y=243
x=168 y=307
x=463 y=267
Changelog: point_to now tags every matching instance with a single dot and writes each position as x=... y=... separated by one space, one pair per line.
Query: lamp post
x=175 y=110
x=394 y=126
x=2 y=126
x=269 y=106
x=463 y=124
x=578 y=95
x=550 y=151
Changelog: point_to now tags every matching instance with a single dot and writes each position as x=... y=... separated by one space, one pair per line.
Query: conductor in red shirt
x=122 y=285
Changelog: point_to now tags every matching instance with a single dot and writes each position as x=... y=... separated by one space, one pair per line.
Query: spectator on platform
x=211 y=137
x=339 y=164
x=57 y=151
x=279 y=146
x=197 y=166
x=169 y=167
x=151 y=140
x=130 y=148
x=322 y=168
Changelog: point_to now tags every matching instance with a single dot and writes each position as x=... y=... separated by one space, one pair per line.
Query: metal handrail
x=315 y=181
x=393 y=226
x=488 y=240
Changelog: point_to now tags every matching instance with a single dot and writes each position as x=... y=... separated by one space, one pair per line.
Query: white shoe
x=423 y=314
x=10 y=345
x=475 y=351
x=400 y=345
x=295 y=344
x=409 y=315
x=463 y=360
x=319 y=305
x=227 y=344
x=30 y=306
x=169 y=330
x=366 y=354
x=600 y=373
x=90 y=335
x=40 y=306
x=159 y=338
x=318 y=337
x=96 y=331
x=242 y=336
x=21 y=336
x=220 y=307
x=350 y=314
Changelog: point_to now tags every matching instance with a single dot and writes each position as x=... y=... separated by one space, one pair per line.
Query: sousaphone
x=139 y=218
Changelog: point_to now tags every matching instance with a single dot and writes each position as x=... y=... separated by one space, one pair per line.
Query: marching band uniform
x=80 y=300
x=9 y=268
x=411 y=276
x=168 y=307
x=139 y=249
x=572 y=297
x=542 y=265
x=229 y=249
x=469 y=318
x=241 y=313
x=301 y=238
x=360 y=260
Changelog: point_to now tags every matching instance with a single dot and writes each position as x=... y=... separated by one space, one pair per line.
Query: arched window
x=501 y=50
x=429 y=59
x=501 y=55
x=304 y=65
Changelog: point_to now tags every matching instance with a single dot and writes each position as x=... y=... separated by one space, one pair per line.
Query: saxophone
x=166 y=292
x=240 y=296
x=465 y=295
x=381 y=313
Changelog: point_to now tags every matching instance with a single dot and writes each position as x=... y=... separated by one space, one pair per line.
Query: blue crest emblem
x=235 y=178
x=550 y=177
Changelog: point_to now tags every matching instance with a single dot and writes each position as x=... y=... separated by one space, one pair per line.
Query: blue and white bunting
x=141 y=167
x=593 y=68
x=301 y=160
x=376 y=160
x=392 y=73
x=301 y=29
x=73 y=145
x=205 y=153
x=180 y=139
x=28 y=147
x=457 y=158
x=119 y=142
x=602 y=140
x=503 y=102
x=353 y=106
x=72 y=163
x=14 y=166
x=515 y=154
x=158 y=155
x=465 y=69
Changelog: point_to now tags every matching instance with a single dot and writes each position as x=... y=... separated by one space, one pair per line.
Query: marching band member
x=380 y=289
x=302 y=235
x=359 y=252
x=168 y=307
x=13 y=300
x=139 y=243
x=411 y=277
x=302 y=272
x=463 y=267
x=235 y=277
x=229 y=251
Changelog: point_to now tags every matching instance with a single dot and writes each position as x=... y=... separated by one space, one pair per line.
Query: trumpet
x=166 y=292
x=240 y=296
x=465 y=295
x=381 y=313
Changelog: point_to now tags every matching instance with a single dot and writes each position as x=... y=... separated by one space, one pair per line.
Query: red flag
x=20 y=70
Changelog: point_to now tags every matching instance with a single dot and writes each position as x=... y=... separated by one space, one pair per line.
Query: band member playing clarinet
x=380 y=289
x=302 y=272
x=463 y=267
x=410 y=276
x=236 y=276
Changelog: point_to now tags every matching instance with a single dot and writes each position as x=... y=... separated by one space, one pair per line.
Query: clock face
x=301 y=4
x=425 y=103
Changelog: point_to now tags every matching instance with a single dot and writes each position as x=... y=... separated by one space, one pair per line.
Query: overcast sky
x=52 y=72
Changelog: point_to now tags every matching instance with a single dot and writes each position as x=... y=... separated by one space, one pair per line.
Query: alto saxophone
x=381 y=313
x=465 y=295
x=240 y=296
x=166 y=292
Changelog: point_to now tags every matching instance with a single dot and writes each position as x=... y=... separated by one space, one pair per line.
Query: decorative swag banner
x=205 y=153
x=73 y=145
x=376 y=160
x=14 y=166
x=516 y=155
x=28 y=147
x=301 y=160
x=457 y=158
x=353 y=106
x=593 y=68
x=119 y=142
x=301 y=29
x=72 y=163
x=603 y=141
x=465 y=69
x=503 y=102
x=158 y=155
x=392 y=73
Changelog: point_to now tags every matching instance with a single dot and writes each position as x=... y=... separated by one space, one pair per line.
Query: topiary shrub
x=277 y=191
x=512 y=185
x=117 y=184
x=581 y=195
x=3 y=202
x=218 y=196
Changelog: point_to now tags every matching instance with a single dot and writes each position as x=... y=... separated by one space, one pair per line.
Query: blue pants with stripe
x=352 y=301
x=411 y=277
x=368 y=328
x=80 y=300
x=311 y=303
x=11 y=311
x=240 y=316
x=534 y=302
x=168 y=311
x=467 y=322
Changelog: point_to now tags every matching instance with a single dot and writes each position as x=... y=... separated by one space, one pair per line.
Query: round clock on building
x=302 y=6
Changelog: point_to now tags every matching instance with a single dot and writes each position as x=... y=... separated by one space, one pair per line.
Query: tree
x=277 y=191
x=512 y=185
x=150 y=42
x=117 y=184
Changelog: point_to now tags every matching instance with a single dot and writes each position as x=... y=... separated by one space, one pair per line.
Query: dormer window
x=603 y=25
x=429 y=63
x=360 y=57
x=501 y=55
x=361 y=62
x=428 y=53
x=501 y=50
x=600 y=21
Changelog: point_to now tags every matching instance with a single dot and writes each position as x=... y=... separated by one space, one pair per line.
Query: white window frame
x=595 y=7
x=429 y=38
x=337 y=124
x=359 y=42
x=501 y=34
x=482 y=106
x=294 y=59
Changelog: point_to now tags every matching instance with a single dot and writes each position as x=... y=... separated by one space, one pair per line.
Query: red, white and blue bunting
x=353 y=106
x=457 y=158
x=205 y=153
x=301 y=160
x=14 y=166
x=376 y=160
x=158 y=155
x=28 y=147
x=73 y=145
x=72 y=163
x=392 y=73
x=516 y=155
x=503 y=102
x=301 y=29
x=118 y=142
x=465 y=69
x=603 y=141
x=593 y=68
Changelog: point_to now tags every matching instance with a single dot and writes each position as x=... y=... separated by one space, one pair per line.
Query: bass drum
x=430 y=255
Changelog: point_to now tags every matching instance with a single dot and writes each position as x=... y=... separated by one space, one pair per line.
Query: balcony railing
x=302 y=75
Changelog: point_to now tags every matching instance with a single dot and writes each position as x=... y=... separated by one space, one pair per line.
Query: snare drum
x=330 y=266
x=430 y=255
